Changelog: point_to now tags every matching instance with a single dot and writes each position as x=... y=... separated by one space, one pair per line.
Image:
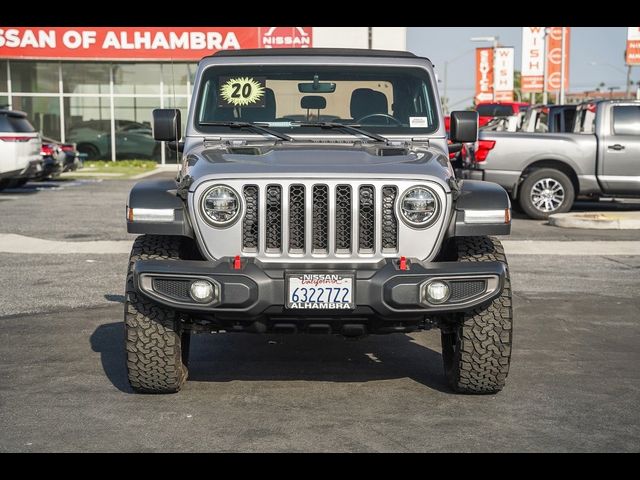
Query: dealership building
x=98 y=86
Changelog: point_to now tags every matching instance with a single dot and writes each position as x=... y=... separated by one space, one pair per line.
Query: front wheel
x=476 y=345
x=157 y=345
x=544 y=192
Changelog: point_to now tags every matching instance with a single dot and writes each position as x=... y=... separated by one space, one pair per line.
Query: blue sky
x=603 y=45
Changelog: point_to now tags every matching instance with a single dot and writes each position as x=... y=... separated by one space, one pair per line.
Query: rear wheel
x=156 y=343
x=544 y=192
x=476 y=345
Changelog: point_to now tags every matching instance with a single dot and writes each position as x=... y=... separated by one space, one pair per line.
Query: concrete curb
x=597 y=220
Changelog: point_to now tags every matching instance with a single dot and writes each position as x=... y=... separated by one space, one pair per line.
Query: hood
x=316 y=159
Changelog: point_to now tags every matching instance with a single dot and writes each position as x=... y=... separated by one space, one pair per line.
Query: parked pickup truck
x=545 y=172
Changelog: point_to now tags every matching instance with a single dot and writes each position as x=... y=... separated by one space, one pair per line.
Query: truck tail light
x=46 y=150
x=484 y=146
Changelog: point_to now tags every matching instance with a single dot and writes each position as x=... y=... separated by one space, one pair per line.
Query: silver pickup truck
x=545 y=172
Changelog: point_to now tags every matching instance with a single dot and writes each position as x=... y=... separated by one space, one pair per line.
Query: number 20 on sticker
x=242 y=92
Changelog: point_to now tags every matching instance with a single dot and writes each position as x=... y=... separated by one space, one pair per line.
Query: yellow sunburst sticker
x=242 y=91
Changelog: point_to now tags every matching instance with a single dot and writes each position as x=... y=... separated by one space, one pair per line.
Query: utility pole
x=446 y=99
x=562 y=64
x=545 y=94
x=628 y=93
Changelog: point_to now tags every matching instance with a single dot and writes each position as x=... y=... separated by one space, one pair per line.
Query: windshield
x=386 y=100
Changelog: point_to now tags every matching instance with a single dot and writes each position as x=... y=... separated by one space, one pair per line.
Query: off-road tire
x=476 y=345
x=154 y=338
x=524 y=192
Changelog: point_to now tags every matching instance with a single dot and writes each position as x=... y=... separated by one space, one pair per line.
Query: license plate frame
x=317 y=281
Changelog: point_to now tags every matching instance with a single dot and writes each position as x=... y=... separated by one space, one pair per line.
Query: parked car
x=545 y=172
x=549 y=118
x=53 y=158
x=349 y=227
x=19 y=149
x=489 y=110
x=68 y=157
x=133 y=140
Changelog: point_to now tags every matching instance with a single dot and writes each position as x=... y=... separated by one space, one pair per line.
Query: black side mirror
x=166 y=124
x=464 y=127
x=175 y=146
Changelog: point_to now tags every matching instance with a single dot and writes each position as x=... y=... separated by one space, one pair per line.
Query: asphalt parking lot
x=574 y=384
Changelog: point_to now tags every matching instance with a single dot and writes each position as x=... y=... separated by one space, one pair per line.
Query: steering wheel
x=383 y=115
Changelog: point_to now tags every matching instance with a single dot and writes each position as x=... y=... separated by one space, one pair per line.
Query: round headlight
x=419 y=206
x=220 y=205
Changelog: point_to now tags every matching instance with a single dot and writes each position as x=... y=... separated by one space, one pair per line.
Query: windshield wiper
x=350 y=127
x=253 y=126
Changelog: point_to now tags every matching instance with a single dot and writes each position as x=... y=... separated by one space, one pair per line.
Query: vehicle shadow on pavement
x=252 y=357
x=108 y=340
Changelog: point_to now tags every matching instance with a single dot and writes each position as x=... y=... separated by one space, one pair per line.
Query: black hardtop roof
x=330 y=52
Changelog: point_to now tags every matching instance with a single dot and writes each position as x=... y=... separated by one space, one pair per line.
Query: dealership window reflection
x=86 y=101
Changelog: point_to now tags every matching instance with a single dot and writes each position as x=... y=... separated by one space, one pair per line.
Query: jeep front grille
x=334 y=219
x=295 y=212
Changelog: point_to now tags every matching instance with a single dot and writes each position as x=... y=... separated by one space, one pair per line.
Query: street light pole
x=446 y=67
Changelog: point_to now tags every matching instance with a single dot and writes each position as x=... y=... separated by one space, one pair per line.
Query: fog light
x=437 y=292
x=202 y=291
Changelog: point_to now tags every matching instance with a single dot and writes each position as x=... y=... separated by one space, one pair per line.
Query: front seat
x=365 y=101
x=261 y=114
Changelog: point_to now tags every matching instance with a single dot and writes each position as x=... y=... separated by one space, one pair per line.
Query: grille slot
x=250 y=221
x=367 y=219
x=172 y=288
x=296 y=219
x=465 y=289
x=274 y=219
x=389 y=221
x=343 y=219
x=320 y=219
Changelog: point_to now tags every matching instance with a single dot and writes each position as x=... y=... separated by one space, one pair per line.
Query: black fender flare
x=158 y=195
x=478 y=196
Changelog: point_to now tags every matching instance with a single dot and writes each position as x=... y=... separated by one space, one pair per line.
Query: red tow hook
x=237 y=265
x=403 y=263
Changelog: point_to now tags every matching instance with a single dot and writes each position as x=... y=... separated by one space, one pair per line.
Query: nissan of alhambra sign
x=143 y=43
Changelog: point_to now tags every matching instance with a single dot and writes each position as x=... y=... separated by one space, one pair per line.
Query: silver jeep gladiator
x=315 y=196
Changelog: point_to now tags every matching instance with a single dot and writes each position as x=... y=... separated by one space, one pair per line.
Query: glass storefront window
x=136 y=78
x=88 y=124
x=177 y=77
x=3 y=76
x=87 y=101
x=34 y=77
x=134 y=138
x=85 y=77
x=43 y=113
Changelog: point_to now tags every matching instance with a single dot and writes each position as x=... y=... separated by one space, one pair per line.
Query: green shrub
x=142 y=164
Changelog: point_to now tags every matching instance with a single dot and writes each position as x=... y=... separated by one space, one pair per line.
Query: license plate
x=320 y=291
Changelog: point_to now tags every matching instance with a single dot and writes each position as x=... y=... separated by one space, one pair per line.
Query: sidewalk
x=597 y=220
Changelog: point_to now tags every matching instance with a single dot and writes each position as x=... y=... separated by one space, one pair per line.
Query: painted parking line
x=13 y=243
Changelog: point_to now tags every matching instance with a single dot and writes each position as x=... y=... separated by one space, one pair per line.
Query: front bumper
x=256 y=289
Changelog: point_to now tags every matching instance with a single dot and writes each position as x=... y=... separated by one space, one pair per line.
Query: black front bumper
x=381 y=289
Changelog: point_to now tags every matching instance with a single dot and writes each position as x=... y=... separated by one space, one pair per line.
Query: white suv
x=20 y=147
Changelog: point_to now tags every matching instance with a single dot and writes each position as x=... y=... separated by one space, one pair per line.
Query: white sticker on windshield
x=418 y=122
